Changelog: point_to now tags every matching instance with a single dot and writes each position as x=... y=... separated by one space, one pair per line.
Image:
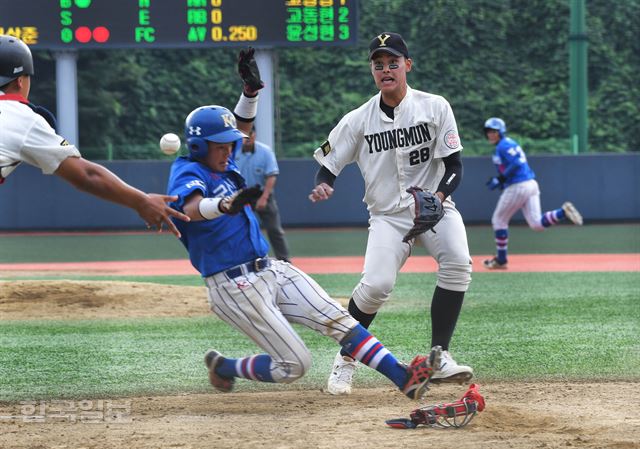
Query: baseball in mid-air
x=170 y=144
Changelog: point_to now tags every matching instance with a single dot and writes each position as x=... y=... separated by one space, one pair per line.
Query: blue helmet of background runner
x=211 y=123
x=497 y=124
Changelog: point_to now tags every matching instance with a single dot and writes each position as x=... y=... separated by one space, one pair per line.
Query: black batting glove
x=248 y=70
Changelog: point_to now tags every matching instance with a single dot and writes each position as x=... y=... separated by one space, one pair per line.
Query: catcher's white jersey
x=27 y=137
x=405 y=151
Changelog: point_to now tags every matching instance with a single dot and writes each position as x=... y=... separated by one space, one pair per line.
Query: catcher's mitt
x=235 y=203
x=248 y=69
x=429 y=212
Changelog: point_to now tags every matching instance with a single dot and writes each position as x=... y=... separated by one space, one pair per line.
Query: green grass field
x=621 y=238
x=514 y=326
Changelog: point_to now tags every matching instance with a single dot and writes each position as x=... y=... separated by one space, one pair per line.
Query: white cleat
x=451 y=372
x=341 y=375
x=572 y=213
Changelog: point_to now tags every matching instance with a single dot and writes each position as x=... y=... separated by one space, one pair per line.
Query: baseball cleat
x=341 y=375
x=212 y=359
x=494 y=264
x=419 y=373
x=451 y=372
x=572 y=213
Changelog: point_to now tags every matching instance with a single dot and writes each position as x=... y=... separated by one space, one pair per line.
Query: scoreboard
x=78 y=24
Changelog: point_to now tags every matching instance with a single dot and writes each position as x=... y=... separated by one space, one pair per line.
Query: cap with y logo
x=390 y=43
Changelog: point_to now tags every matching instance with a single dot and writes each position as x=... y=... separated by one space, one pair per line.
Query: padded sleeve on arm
x=324 y=175
x=452 y=174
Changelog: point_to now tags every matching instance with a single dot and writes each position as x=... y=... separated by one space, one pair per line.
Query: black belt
x=249 y=267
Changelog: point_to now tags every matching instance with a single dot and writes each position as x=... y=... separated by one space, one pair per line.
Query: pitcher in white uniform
x=400 y=138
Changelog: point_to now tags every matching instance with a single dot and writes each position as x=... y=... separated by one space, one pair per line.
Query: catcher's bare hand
x=429 y=212
x=155 y=211
x=321 y=192
x=249 y=72
x=235 y=203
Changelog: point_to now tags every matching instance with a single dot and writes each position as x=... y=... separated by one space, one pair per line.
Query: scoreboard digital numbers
x=77 y=24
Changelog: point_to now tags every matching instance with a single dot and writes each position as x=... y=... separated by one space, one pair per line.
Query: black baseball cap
x=389 y=42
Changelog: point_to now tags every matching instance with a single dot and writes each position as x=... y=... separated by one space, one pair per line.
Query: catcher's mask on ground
x=211 y=123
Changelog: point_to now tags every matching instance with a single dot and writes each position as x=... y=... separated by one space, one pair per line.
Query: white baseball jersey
x=27 y=137
x=405 y=151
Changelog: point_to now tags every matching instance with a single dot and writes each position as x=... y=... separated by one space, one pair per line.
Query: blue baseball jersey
x=226 y=241
x=511 y=162
x=257 y=165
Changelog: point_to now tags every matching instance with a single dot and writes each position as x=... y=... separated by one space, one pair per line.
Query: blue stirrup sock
x=256 y=367
x=502 y=244
x=368 y=350
x=363 y=347
x=552 y=217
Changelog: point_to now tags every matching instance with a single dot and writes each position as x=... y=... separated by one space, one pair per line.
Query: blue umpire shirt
x=511 y=162
x=257 y=165
x=224 y=242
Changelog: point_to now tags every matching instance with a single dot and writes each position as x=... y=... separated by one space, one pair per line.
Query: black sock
x=445 y=308
x=365 y=319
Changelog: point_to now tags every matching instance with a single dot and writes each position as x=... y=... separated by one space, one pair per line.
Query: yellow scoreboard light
x=58 y=24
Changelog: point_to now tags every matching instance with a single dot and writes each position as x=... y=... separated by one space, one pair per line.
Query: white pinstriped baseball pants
x=262 y=305
x=522 y=195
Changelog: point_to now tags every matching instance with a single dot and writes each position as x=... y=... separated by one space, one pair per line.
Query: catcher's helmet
x=496 y=124
x=211 y=123
x=15 y=59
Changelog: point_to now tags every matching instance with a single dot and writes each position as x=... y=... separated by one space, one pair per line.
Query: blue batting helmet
x=497 y=124
x=211 y=123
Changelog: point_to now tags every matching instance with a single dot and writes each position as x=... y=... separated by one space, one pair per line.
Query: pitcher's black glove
x=235 y=203
x=248 y=70
x=429 y=212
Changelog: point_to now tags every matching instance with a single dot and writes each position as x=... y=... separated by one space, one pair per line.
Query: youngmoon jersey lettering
x=398 y=138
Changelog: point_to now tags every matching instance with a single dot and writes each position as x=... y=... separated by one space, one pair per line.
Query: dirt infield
x=519 y=415
x=42 y=300
x=328 y=265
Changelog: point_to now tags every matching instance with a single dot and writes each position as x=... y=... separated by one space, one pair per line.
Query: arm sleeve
x=324 y=175
x=453 y=171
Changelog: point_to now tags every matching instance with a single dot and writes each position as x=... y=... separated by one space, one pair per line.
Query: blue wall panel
x=602 y=186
